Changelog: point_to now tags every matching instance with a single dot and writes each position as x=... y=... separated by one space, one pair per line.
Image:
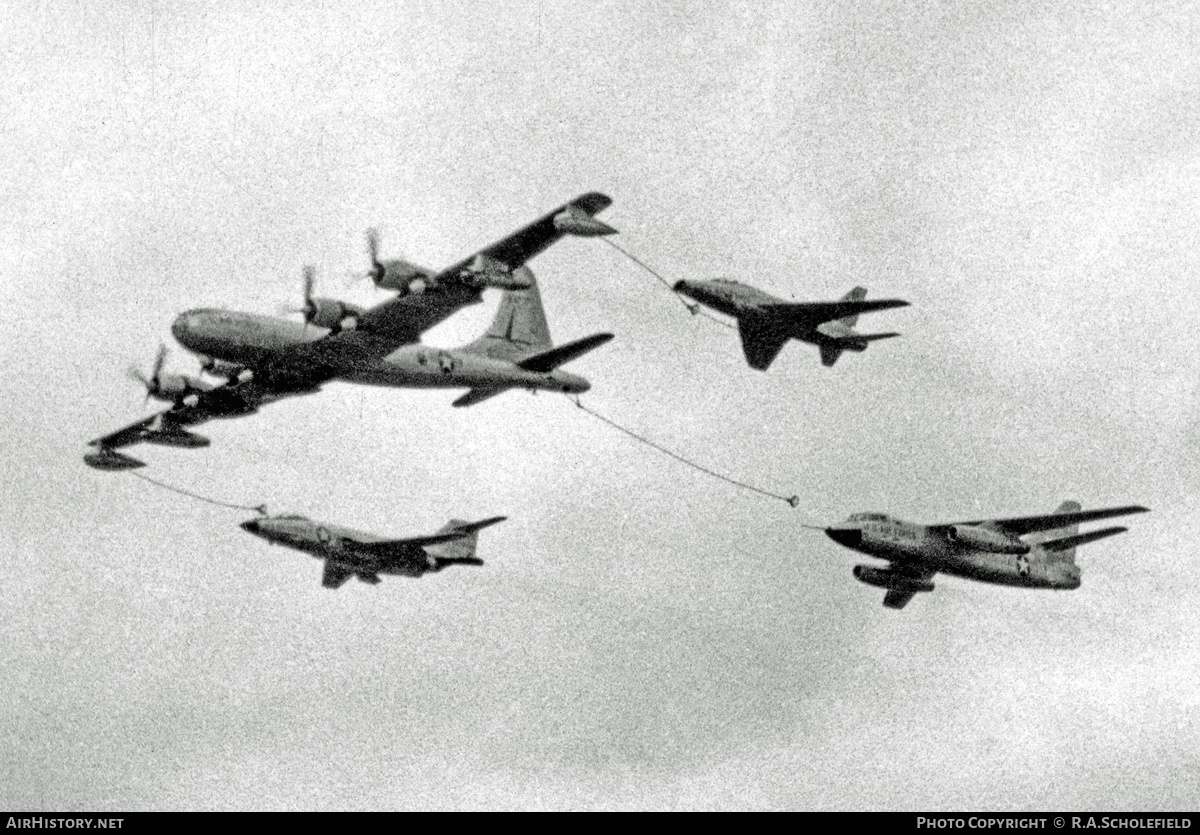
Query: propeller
x=153 y=382
x=309 y=309
x=377 y=271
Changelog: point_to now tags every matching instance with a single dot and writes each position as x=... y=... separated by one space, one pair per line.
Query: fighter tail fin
x=855 y=295
x=546 y=361
x=830 y=354
x=460 y=551
x=1067 y=532
x=520 y=325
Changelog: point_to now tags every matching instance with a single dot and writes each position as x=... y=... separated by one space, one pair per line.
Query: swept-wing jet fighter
x=989 y=550
x=348 y=553
x=265 y=358
x=766 y=322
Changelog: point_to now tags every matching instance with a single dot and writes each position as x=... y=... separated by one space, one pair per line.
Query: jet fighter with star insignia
x=766 y=322
x=989 y=550
x=349 y=553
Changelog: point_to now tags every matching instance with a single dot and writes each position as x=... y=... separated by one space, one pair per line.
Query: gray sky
x=641 y=637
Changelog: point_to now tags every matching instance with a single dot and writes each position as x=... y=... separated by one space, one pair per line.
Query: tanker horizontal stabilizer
x=546 y=361
x=478 y=396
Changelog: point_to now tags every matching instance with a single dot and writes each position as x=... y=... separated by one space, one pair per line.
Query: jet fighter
x=988 y=550
x=266 y=358
x=348 y=553
x=766 y=322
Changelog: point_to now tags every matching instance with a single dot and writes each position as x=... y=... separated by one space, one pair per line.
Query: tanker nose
x=182 y=327
x=680 y=286
x=850 y=537
x=250 y=527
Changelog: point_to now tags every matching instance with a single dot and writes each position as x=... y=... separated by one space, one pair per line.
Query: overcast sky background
x=641 y=636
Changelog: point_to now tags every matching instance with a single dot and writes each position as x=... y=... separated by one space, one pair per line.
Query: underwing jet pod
x=1028 y=551
x=766 y=322
x=349 y=553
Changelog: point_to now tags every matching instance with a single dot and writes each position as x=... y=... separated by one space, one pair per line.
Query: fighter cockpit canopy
x=867 y=517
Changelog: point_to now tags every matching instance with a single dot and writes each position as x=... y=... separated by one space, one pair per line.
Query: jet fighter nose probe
x=331 y=314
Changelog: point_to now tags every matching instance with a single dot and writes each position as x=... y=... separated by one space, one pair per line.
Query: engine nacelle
x=332 y=314
x=888 y=579
x=404 y=277
x=986 y=539
x=174 y=388
x=221 y=368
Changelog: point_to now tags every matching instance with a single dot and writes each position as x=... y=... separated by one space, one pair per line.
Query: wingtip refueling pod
x=575 y=221
x=110 y=459
x=175 y=438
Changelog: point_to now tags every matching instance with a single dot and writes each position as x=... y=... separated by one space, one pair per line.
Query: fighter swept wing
x=1068 y=542
x=387 y=546
x=335 y=575
x=452 y=531
x=898 y=597
x=807 y=315
x=762 y=340
x=1022 y=525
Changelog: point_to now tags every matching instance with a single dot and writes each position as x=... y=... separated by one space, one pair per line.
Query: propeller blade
x=377 y=270
x=310 y=280
x=151 y=383
x=159 y=361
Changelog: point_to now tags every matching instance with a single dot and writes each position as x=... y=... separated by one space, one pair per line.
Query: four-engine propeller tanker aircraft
x=348 y=553
x=515 y=352
x=989 y=550
x=265 y=358
x=766 y=322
